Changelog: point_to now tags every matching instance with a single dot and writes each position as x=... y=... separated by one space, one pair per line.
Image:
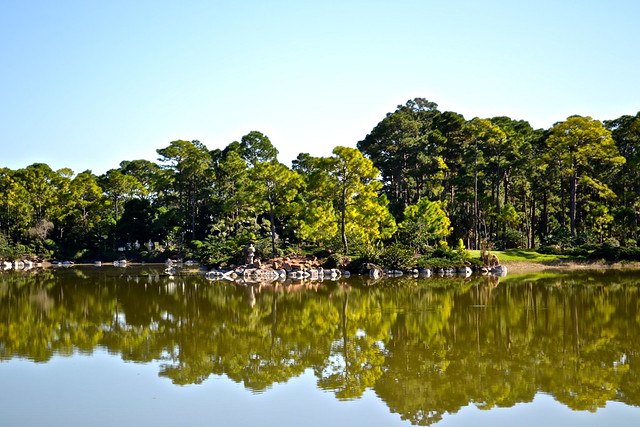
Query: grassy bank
x=528 y=260
x=526 y=255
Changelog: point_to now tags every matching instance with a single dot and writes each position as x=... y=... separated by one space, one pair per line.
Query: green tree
x=146 y=172
x=278 y=186
x=86 y=210
x=484 y=135
x=120 y=187
x=580 y=145
x=256 y=147
x=625 y=131
x=317 y=220
x=15 y=210
x=423 y=222
x=357 y=195
x=187 y=182
x=400 y=147
x=231 y=185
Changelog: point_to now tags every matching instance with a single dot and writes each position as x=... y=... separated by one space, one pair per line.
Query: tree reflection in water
x=425 y=346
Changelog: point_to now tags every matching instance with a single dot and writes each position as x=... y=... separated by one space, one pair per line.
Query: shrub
x=616 y=253
x=611 y=241
x=578 y=251
x=333 y=261
x=509 y=239
x=560 y=236
x=397 y=256
x=456 y=255
x=425 y=262
x=550 y=250
x=371 y=252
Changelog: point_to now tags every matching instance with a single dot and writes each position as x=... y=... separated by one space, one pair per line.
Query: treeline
x=420 y=178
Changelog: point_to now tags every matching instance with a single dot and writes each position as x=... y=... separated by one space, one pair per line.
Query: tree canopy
x=420 y=176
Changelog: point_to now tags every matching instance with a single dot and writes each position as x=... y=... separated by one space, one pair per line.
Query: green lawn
x=522 y=255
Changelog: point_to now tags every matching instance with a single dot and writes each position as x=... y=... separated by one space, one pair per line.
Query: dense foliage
x=420 y=178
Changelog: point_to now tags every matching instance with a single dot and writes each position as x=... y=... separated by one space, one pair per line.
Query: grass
x=527 y=255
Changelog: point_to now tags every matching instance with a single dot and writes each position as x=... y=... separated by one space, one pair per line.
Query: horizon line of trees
x=420 y=178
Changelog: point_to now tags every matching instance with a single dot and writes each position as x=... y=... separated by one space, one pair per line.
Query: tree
x=484 y=135
x=15 y=210
x=400 y=148
x=146 y=172
x=188 y=180
x=579 y=145
x=277 y=185
x=625 y=131
x=231 y=184
x=85 y=205
x=119 y=187
x=256 y=147
x=424 y=220
x=318 y=220
x=357 y=192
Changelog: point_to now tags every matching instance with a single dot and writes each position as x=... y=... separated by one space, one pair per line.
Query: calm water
x=107 y=346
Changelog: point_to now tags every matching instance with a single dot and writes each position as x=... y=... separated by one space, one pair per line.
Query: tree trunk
x=343 y=222
x=572 y=204
x=533 y=222
x=507 y=178
x=476 y=209
x=498 y=207
x=272 y=218
x=545 y=214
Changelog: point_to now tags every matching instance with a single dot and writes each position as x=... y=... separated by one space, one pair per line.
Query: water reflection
x=425 y=346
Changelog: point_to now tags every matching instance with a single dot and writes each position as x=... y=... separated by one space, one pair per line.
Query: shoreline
x=514 y=267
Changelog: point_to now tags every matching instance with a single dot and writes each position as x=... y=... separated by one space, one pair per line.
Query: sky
x=88 y=84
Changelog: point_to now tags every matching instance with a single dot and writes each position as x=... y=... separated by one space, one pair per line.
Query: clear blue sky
x=87 y=84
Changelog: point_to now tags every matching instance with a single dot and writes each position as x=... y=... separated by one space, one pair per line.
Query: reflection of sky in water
x=544 y=411
x=103 y=390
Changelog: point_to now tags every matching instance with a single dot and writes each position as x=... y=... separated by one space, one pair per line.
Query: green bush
x=333 y=261
x=371 y=252
x=397 y=256
x=427 y=262
x=611 y=241
x=616 y=253
x=509 y=239
x=455 y=255
x=560 y=236
x=550 y=250
x=577 y=251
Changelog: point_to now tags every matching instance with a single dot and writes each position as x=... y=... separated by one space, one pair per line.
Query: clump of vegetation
x=398 y=257
x=333 y=261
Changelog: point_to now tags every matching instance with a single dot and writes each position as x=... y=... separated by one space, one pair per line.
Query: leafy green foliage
x=397 y=256
x=420 y=176
x=424 y=224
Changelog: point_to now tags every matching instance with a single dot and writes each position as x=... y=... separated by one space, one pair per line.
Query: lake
x=105 y=346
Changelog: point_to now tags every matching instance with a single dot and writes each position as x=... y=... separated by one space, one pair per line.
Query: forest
x=422 y=182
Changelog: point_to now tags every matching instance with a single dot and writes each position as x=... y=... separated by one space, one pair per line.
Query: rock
x=464 y=270
x=499 y=270
x=424 y=272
